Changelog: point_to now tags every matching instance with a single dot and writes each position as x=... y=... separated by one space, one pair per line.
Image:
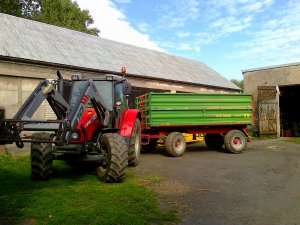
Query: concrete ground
x=260 y=186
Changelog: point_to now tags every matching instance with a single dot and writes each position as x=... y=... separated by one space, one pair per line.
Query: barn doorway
x=289 y=104
x=268 y=110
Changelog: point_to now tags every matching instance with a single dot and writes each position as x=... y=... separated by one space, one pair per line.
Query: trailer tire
x=135 y=144
x=175 y=144
x=235 y=141
x=41 y=158
x=214 y=141
x=114 y=167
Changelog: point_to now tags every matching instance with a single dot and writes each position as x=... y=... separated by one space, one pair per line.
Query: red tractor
x=93 y=124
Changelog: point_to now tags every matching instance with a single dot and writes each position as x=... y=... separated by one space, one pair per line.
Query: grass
x=74 y=196
x=255 y=136
x=266 y=137
x=293 y=139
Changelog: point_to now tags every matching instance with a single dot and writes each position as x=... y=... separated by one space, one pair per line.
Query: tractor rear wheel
x=41 y=158
x=235 y=141
x=112 y=169
x=135 y=144
x=214 y=141
x=175 y=144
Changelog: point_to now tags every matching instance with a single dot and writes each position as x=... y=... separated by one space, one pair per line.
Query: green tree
x=29 y=8
x=239 y=83
x=63 y=13
x=12 y=7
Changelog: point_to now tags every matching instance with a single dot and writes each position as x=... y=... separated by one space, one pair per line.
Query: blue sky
x=227 y=35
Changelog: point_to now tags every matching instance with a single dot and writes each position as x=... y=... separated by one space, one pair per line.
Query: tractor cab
x=112 y=90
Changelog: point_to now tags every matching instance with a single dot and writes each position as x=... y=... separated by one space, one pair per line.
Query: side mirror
x=126 y=88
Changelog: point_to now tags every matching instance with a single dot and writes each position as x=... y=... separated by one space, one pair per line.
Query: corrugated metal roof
x=33 y=40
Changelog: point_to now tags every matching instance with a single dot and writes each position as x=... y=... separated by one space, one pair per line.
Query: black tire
x=214 y=141
x=235 y=141
x=175 y=144
x=41 y=158
x=112 y=170
x=135 y=144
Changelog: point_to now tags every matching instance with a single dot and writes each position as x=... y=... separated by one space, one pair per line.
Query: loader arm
x=68 y=116
x=89 y=93
x=10 y=129
x=45 y=90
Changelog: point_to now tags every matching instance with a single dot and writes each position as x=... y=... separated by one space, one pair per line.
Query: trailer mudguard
x=127 y=122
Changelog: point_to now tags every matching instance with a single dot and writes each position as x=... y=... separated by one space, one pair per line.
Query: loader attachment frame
x=12 y=130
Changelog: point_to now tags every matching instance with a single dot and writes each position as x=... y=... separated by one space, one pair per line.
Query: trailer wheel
x=112 y=169
x=41 y=158
x=175 y=144
x=235 y=141
x=214 y=141
x=135 y=144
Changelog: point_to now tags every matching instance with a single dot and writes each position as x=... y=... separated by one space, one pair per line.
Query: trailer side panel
x=189 y=109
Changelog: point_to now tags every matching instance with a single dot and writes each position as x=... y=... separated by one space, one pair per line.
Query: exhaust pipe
x=60 y=83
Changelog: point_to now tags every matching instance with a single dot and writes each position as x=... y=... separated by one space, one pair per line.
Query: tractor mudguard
x=127 y=123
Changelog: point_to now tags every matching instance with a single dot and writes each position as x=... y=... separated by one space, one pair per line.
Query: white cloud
x=123 y=1
x=221 y=18
x=255 y=6
x=143 y=27
x=114 y=24
x=233 y=7
x=177 y=13
x=277 y=42
x=236 y=15
x=182 y=34
x=184 y=46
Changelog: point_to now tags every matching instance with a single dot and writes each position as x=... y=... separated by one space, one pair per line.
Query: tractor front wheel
x=135 y=144
x=175 y=144
x=41 y=158
x=113 y=167
x=235 y=141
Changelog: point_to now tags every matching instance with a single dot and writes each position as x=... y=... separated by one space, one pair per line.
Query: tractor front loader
x=93 y=124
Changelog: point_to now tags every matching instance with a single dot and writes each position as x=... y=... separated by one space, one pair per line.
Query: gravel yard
x=260 y=186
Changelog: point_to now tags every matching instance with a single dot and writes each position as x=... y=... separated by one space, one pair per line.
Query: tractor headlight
x=74 y=136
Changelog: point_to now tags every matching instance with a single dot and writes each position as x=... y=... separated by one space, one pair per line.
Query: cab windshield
x=104 y=88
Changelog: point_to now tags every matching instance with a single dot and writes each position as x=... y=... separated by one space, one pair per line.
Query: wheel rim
x=178 y=145
x=237 y=142
x=137 y=144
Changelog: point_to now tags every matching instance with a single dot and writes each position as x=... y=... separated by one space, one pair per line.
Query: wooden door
x=268 y=109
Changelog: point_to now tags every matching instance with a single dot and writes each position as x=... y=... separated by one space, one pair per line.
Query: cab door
x=120 y=104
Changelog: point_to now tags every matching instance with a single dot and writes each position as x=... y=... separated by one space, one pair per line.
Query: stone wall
x=13 y=93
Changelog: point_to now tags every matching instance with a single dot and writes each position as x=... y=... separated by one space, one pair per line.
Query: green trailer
x=222 y=118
